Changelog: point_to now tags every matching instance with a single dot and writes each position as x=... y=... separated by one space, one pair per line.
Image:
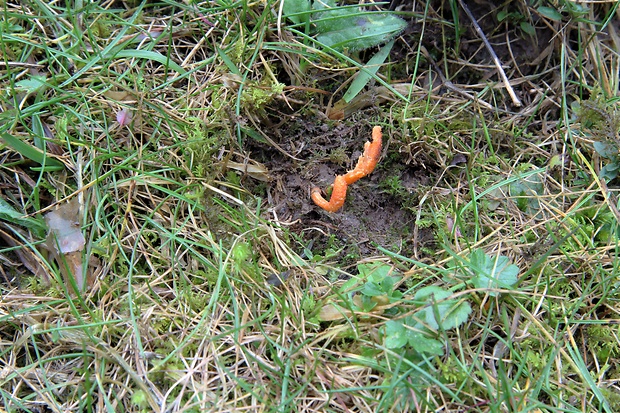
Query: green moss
x=100 y=29
x=203 y=144
x=599 y=117
x=613 y=398
x=603 y=342
x=339 y=156
x=139 y=399
x=393 y=185
x=257 y=96
x=452 y=373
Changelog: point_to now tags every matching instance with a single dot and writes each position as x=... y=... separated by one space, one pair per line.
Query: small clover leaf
x=395 y=334
x=399 y=333
x=441 y=311
x=492 y=272
x=610 y=170
x=424 y=344
x=605 y=149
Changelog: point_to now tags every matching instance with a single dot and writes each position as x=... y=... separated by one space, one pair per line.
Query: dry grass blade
x=475 y=269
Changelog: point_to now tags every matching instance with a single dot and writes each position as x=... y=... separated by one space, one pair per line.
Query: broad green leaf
x=501 y=15
x=369 y=71
x=492 y=272
x=424 y=344
x=364 y=302
x=371 y=289
x=550 y=13
x=7 y=213
x=395 y=334
x=605 y=149
x=610 y=171
x=442 y=311
x=374 y=271
x=527 y=28
x=298 y=11
x=350 y=285
x=526 y=192
x=350 y=28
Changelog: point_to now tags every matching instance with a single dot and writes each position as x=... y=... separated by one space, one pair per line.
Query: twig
x=21 y=64
x=511 y=92
x=451 y=86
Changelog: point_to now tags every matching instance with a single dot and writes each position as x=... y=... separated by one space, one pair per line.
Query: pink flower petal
x=123 y=117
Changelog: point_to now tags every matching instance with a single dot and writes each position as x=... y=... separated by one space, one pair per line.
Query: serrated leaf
x=448 y=314
x=492 y=272
x=33 y=84
x=426 y=345
x=425 y=293
x=441 y=311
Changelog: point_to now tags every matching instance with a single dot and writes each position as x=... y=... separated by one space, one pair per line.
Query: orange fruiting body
x=339 y=193
x=369 y=159
x=365 y=165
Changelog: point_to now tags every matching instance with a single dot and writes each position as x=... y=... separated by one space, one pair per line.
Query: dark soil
x=320 y=148
x=370 y=216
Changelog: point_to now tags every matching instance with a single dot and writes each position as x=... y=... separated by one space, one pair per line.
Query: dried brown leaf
x=65 y=242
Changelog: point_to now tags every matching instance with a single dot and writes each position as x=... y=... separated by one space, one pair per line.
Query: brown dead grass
x=179 y=316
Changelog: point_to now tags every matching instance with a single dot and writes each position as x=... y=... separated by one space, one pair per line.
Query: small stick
x=498 y=64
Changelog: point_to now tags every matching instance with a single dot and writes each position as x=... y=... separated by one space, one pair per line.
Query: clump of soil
x=371 y=216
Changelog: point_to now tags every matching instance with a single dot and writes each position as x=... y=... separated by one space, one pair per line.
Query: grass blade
x=33 y=153
x=151 y=55
x=371 y=68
